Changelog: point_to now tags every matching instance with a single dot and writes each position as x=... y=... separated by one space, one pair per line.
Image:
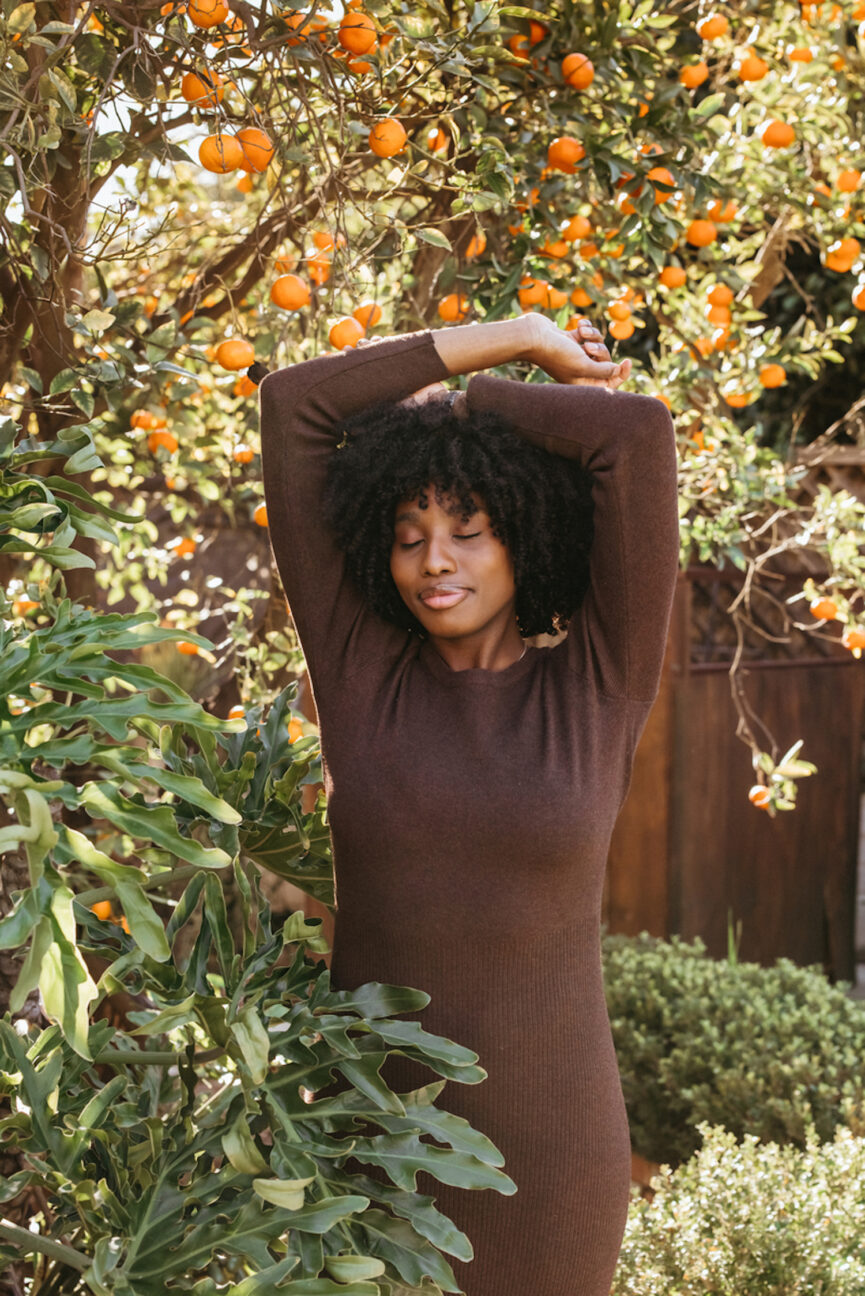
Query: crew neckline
x=474 y=675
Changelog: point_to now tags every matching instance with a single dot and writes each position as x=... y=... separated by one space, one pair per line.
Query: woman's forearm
x=471 y=347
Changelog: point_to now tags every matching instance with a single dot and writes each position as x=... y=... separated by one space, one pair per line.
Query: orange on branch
x=243 y=454
x=244 y=183
x=162 y=440
x=185 y=547
x=244 y=386
x=578 y=71
x=207 y=13
x=579 y=297
x=848 y=181
x=202 y=89
x=318 y=268
x=533 y=292
x=760 y=796
x=557 y=249
x=578 y=227
x=720 y=294
x=256 y=147
x=556 y=298
x=713 y=27
x=290 y=292
x=854 y=639
x=621 y=329
x=824 y=608
x=453 y=307
x=777 y=134
x=387 y=138
x=186 y=648
x=721 y=211
x=357 y=32
x=436 y=140
x=751 y=67
x=773 y=375
x=694 y=75
x=564 y=153
x=220 y=153
x=367 y=313
x=718 y=314
x=700 y=233
x=619 y=310
x=842 y=254
x=235 y=353
x=858 y=297
x=102 y=910
x=665 y=177
x=259 y=515
x=236 y=713
x=346 y=332
x=800 y=53
x=537 y=31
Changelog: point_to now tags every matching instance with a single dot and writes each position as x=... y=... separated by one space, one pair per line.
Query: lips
x=443 y=596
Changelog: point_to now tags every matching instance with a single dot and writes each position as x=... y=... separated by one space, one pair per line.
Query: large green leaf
x=403 y=1155
x=155 y=823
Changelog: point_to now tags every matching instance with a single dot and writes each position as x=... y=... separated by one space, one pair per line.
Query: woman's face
x=453 y=574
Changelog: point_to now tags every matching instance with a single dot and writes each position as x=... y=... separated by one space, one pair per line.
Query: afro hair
x=540 y=504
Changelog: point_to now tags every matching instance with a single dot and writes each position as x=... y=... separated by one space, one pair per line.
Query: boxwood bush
x=751 y=1219
x=760 y=1050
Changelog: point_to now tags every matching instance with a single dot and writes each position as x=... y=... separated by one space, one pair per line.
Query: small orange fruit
x=773 y=375
x=662 y=175
x=259 y=515
x=824 y=608
x=236 y=713
x=751 y=67
x=244 y=386
x=187 y=649
x=580 y=297
x=436 y=140
x=346 y=332
x=848 y=181
x=858 y=297
x=722 y=211
x=357 y=32
x=842 y=254
x=207 y=13
x=854 y=639
x=564 y=153
x=102 y=910
x=243 y=454
x=295 y=729
x=578 y=227
x=290 y=292
x=777 y=134
x=244 y=183
x=387 y=138
x=622 y=329
x=713 y=27
x=718 y=314
x=700 y=233
x=800 y=53
x=694 y=75
x=220 y=153
x=162 y=440
x=619 y=310
x=760 y=796
x=235 y=353
x=476 y=245
x=533 y=292
x=256 y=147
x=318 y=268
x=720 y=294
x=21 y=607
x=202 y=89
x=367 y=313
x=184 y=547
x=454 y=307
x=578 y=71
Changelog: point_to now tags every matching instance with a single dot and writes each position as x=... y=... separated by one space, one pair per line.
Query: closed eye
x=471 y=536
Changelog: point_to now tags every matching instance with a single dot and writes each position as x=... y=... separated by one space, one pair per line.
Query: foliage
x=763 y=1051
x=751 y=1217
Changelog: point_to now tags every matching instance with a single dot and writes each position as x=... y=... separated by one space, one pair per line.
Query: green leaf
x=288 y=1194
x=20 y=19
x=97 y=321
x=321 y=1216
x=350 y=1268
x=145 y=926
x=706 y=107
x=253 y=1041
x=188 y=789
x=396 y=1241
x=62 y=382
x=403 y=1155
x=152 y=823
x=65 y=983
x=435 y=237
x=240 y=1148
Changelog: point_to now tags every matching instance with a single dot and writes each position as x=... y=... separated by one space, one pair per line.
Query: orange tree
x=189 y=188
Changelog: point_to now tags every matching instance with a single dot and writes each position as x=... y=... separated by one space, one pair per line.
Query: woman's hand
x=577 y=356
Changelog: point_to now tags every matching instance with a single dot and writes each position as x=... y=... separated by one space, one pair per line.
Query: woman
x=473 y=782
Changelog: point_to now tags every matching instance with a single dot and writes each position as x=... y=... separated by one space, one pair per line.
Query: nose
x=438 y=559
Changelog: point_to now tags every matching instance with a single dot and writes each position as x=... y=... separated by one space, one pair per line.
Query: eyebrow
x=412 y=515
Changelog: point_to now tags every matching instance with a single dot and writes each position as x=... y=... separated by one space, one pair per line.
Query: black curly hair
x=540 y=504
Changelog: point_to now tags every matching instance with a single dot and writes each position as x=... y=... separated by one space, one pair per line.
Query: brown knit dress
x=471 y=811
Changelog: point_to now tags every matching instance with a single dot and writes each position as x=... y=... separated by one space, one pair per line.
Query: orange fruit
x=564 y=153
x=622 y=329
x=578 y=227
x=619 y=310
x=185 y=546
x=202 y=89
x=162 y=440
x=824 y=609
x=842 y=254
x=346 y=332
x=387 y=138
x=295 y=729
x=589 y=250
x=207 y=13
x=556 y=298
x=256 y=147
x=773 y=375
x=244 y=183
x=318 y=268
x=454 y=307
x=357 y=32
x=518 y=45
x=718 y=314
x=477 y=244
x=284 y=264
x=305 y=26
x=533 y=292
x=580 y=297
x=259 y=515
x=537 y=31
x=325 y=242
x=142 y=419
x=854 y=639
x=694 y=75
x=367 y=313
x=760 y=796
x=220 y=153
x=721 y=211
x=290 y=292
x=436 y=140
x=187 y=649
x=859 y=296
x=737 y=400
x=720 y=295
x=235 y=353
x=236 y=713
x=664 y=176
x=578 y=71
x=848 y=181
x=672 y=276
x=21 y=607
x=777 y=134
x=751 y=68
x=244 y=387
x=558 y=248
x=700 y=233
x=713 y=27
x=800 y=53
x=243 y=454
x=102 y=910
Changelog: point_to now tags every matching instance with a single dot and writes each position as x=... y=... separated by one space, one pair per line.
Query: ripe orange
x=619 y=310
x=243 y=454
x=185 y=546
x=367 y=313
x=305 y=26
x=557 y=249
x=580 y=297
x=162 y=439
x=244 y=183
x=537 y=31
x=854 y=639
x=387 y=138
x=694 y=75
x=713 y=27
x=202 y=89
x=220 y=153
x=718 y=314
x=259 y=515
x=244 y=387
x=187 y=649
x=720 y=294
x=760 y=796
x=824 y=608
x=257 y=148
x=556 y=298
x=859 y=296
x=436 y=140
x=578 y=227
x=721 y=211
x=777 y=134
x=700 y=233
x=346 y=332
x=751 y=67
x=564 y=153
x=533 y=292
x=295 y=729
x=578 y=71
x=235 y=353
x=476 y=245
x=661 y=174
x=207 y=13
x=357 y=32
x=672 y=276
x=102 y=910
x=290 y=292
x=737 y=400
x=588 y=251
x=800 y=53
x=454 y=307
x=318 y=268
x=842 y=254
x=284 y=264
x=848 y=181
x=622 y=329
x=773 y=375
x=142 y=419
x=236 y=713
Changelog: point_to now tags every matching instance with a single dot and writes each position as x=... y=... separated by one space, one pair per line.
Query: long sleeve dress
x=471 y=811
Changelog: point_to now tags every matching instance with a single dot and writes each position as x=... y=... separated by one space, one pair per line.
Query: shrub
x=754 y=1218
x=763 y=1051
